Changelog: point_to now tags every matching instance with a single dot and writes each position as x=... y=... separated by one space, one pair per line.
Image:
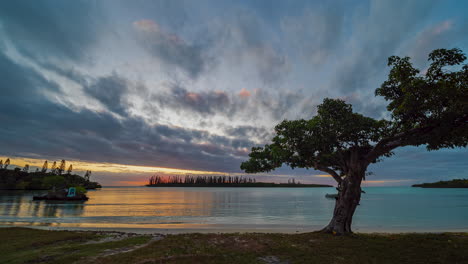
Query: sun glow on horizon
x=79 y=165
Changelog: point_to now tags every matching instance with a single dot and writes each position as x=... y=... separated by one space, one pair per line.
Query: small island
x=43 y=179
x=221 y=181
x=456 y=183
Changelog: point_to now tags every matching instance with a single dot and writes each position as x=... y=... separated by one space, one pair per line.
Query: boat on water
x=69 y=194
x=331 y=195
x=54 y=198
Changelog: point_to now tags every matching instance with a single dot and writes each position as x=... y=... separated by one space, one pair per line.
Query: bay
x=146 y=209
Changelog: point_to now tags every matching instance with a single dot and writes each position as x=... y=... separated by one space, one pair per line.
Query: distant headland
x=221 y=181
x=42 y=179
x=456 y=183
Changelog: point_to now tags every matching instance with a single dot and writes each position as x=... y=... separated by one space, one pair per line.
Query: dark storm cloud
x=69 y=73
x=36 y=126
x=110 y=91
x=248 y=132
x=42 y=29
x=248 y=105
x=23 y=82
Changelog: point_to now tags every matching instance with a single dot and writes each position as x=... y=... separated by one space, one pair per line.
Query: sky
x=133 y=88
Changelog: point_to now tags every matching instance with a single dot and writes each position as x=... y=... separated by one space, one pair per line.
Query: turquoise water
x=382 y=209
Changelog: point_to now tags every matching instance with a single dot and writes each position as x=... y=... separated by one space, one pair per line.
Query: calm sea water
x=382 y=209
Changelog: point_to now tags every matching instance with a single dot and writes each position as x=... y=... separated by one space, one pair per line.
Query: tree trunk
x=349 y=195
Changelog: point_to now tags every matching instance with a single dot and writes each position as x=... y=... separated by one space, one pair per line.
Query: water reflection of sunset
x=160 y=208
x=150 y=202
x=117 y=208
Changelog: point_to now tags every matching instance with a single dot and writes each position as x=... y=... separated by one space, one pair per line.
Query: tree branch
x=399 y=140
x=329 y=171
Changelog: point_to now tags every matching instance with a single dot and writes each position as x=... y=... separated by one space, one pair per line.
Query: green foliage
x=54 y=181
x=436 y=101
x=80 y=190
x=18 y=179
x=325 y=140
x=429 y=109
x=21 y=185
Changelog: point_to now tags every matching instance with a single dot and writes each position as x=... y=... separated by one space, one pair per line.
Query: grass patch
x=301 y=248
x=39 y=246
x=23 y=245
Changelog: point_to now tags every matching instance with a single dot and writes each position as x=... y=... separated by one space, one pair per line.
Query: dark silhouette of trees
x=87 y=175
x=1 y=164
x=7 y=163
x=218 y=181
x=61 y=167
x=455 y=183
x=53 y=169
x=428 y=109
x=24 y=179
x=45 y=167
x=200 y=180
x=54 y=181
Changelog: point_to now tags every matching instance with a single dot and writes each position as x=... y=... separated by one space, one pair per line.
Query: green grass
x=38 y=246
x=23 y=245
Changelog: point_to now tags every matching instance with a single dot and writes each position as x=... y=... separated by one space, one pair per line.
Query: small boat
x=55 y=198
x=331 y=196
x=69 y=194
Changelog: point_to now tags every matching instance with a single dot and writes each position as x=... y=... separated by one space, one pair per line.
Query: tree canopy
x=429 y=108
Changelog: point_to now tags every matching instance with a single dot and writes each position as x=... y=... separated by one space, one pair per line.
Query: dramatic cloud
x=169 y=47
x=58 y=29
x=209 y=102
x=315 y=34
x=194 y=85
x=110 y=91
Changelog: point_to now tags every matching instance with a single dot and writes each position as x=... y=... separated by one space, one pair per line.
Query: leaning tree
x=428 y=109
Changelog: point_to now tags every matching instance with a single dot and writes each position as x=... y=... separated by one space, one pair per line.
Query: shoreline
x=228 y=230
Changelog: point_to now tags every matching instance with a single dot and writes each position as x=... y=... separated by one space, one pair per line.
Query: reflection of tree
x=11 y=203
x=49 y=210
x=19 y=206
